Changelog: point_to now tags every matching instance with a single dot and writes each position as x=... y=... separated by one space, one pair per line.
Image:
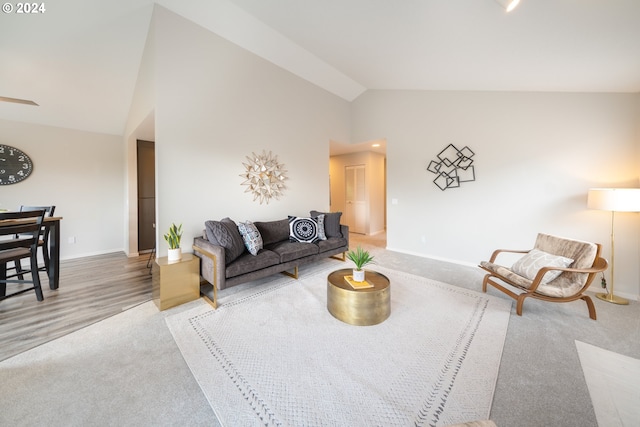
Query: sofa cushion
x=247 y=263
x=273 y=231
x=251 y=237
x=225 y=233
x=289 y=251
x=331 y=243
x=331 y=222
x=306 y=229
x=529 y=265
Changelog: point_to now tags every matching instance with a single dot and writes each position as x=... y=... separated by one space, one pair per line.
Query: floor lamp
x=614 y=200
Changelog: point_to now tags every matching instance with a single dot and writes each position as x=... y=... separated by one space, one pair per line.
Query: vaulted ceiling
x=79 y=59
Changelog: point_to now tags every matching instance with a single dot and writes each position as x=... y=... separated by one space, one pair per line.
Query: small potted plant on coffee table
x=360 y=258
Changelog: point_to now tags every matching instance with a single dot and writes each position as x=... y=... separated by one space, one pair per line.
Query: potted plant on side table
x=360 y=258
x=173 y=239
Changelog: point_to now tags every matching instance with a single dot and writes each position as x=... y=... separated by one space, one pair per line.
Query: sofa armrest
x=212 y=262
x=344 y=229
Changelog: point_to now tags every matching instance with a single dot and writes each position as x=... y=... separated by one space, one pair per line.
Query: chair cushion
x=506 y=273
x=529 y=265
x=331 y=223
x=251 y=237
x=583 y=254
x=225 y=233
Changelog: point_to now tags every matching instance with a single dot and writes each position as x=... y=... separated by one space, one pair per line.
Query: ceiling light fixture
x=509 y=5
x=17 y=100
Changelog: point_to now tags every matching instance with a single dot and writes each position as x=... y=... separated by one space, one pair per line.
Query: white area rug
x=274 y=355
x=614 y=385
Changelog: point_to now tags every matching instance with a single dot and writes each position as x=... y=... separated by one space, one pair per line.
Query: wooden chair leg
x=3 y=277
x=592 y=308
x=35 y=275
x=519 y=303
x=45 y=256
x=484 y=283
x=19 y=269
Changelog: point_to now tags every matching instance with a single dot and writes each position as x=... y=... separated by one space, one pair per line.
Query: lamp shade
x=614 y=199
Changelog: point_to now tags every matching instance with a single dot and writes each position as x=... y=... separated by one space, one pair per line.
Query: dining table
x=52 y=223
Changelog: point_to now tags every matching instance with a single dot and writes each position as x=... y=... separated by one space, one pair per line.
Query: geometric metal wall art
x=453 y=167
x=264 y=176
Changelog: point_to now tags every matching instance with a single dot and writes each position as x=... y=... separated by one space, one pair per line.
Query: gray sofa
x=226 y=259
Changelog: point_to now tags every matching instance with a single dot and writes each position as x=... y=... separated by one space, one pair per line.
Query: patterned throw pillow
x=251 y=237
x=306 y=230
x=529 y=265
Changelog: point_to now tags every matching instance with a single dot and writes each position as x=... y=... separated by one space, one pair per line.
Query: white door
x=356 y=203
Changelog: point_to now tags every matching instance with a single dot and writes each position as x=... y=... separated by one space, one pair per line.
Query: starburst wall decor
x=264 y=176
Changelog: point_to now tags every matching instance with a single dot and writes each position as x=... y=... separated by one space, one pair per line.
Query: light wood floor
x=91 y=289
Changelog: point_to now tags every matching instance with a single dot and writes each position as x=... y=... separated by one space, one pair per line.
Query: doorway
x=146 y=195
x=355 y=198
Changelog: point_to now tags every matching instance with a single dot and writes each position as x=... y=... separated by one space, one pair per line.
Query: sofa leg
x=294 y=274
x=342 y=258
x=213 y=303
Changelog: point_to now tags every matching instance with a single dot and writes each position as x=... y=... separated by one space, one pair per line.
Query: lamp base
x=613 y=299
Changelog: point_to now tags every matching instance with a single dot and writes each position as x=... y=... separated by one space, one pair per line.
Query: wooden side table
x=176 y=282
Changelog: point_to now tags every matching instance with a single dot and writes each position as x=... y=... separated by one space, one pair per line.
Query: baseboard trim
x=437 y=258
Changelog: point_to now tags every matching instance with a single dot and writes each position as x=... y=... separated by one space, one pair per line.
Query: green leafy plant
x=173 y=236
x=360 y=257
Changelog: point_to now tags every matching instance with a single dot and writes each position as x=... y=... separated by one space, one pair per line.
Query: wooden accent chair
x=28 y=226
x=555 y=270
x=43 y=243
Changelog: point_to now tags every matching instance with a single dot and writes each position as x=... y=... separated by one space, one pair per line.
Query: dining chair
x=43 y=243
x=27 y=226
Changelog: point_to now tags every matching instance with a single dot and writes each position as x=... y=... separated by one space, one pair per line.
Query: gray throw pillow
x=331 y=222
x=225 y=233
x=273 y=231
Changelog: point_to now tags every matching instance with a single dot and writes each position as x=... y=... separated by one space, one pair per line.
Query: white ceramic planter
x=358 y=275
x=174 y=254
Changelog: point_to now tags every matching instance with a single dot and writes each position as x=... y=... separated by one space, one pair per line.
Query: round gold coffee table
x=362 y=307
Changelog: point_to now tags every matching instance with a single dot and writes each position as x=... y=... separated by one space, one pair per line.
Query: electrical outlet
x=72 y=239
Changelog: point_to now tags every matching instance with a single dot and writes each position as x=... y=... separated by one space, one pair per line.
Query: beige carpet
x=614 y=385
x=275 y=356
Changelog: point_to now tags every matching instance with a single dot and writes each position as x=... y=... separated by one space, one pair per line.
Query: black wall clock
x=15 y=165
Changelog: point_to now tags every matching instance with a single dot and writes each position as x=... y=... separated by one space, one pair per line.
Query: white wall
x=537 y=154
x=81 y=173
x=216 y=103
x=140 y=125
